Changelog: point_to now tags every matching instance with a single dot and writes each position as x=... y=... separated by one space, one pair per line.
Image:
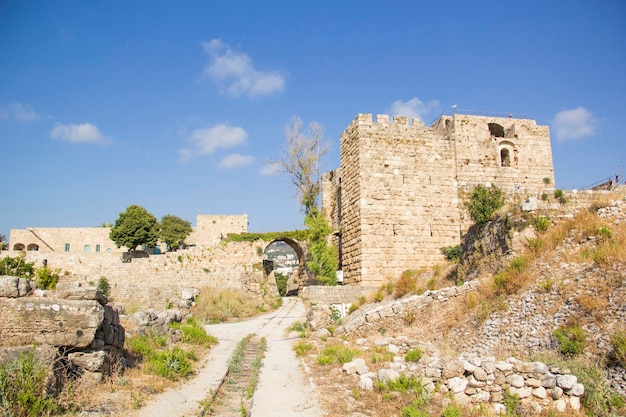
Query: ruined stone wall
x=155 y=280
x=479 y=153
x=211 y=228
x=400 y=188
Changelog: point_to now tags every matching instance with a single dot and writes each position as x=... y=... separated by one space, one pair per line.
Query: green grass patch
x=336 y=354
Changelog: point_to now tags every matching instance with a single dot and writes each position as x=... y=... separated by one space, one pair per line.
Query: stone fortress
x=394 y=202
x=397 y=197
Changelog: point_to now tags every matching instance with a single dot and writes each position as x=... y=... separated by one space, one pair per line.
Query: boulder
x=14 y=287
x=30 y=320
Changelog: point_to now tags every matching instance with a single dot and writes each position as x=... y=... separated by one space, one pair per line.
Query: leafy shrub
x=23 y=388
x=281 y=283
x=336 y=354
x=413 y=411
x=571 y=339
x=406 y=284
x=323 y=257
x=379 y=296
x=484 y=202
x=193 y=333
x=413 y=355
x=16 y=267
x=172 y=364
x=604 y=233
x=544 y=196
x=451 y=253
x=47 y=278
x=302 y=348
x=103 y=285
x=511 y=402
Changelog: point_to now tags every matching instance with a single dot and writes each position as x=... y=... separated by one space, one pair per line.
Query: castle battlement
x=397 y=196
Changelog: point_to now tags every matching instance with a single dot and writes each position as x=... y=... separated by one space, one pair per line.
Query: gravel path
x=283 y=389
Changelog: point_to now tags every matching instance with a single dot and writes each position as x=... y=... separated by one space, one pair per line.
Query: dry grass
x=222 y=305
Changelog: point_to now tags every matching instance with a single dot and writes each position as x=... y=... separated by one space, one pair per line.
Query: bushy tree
x=134 y=227
x=323 y=261
x=4 y=244
x=173 y=231
x=484 y=202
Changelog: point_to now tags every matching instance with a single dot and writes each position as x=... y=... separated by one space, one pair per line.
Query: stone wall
x=157 y=279
x=333 y=295
x=210 y=229
x=398 y=192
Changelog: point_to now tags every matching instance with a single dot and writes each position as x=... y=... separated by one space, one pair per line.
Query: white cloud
x=574 y=124
x=19 y=112
x=78 y=133
x=236 y=160
x=206 y=141
x=272 y=168
x=236 y=75
x=412 y=108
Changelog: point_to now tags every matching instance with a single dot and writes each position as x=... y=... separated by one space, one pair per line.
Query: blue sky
x=177 y=106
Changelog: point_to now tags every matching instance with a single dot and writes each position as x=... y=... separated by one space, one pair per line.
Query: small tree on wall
x=484 y=202
x=300 y=159
x=134 y=227
x=173 y=231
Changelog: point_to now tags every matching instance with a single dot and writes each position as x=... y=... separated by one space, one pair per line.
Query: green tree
x=4 y=244
x=173 y=231
x=134 y=227
x=323 y=262
x=484 y=202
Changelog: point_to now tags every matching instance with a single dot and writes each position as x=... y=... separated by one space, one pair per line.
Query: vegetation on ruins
x=134 y=227
x=484 y=202
x=173 y=231
x=323 y=262
x=4 y=244
x=300 y=160
x=16 y=267
x=47 y=278
x=23 y=387
x=216 y=306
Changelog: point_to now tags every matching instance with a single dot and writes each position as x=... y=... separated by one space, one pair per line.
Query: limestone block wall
x=398 y=195
x=398 y=198
x=211 y=228
x=479 y=152
x=152 y=281
x=55 y=239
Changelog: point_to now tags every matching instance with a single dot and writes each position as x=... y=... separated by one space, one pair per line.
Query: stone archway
x=286 y=257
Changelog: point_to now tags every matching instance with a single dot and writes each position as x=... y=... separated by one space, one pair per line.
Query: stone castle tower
x=397 y=197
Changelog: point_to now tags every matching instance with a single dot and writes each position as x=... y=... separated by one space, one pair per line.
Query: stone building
x=397 y=197
x=209 y=230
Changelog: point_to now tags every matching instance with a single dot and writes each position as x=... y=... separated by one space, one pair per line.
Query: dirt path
x=283 y=389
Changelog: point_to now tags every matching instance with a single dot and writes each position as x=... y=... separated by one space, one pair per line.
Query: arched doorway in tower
x=284 y=264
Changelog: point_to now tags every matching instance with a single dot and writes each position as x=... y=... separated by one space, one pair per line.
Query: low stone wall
x=334 y=295
x=367 y=317
x=154 y=281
